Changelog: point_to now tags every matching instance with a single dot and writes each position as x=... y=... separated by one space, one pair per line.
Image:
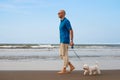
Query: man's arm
x=71 y=38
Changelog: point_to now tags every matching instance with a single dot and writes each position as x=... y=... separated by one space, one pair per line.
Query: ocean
x=108 y=57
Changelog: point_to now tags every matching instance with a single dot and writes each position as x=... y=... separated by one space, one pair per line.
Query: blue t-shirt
x=65 y=28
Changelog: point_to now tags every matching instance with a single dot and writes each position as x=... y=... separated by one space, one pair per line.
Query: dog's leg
x=99 y=72
x=85 y=72
x=95 y=72
x=90 y=72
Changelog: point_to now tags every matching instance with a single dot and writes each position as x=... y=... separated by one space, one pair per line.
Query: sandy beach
x=52 y=75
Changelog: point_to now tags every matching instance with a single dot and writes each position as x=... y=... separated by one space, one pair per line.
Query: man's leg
x=64 y=57
x=71 y=67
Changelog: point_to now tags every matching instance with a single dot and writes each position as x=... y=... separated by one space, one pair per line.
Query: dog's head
x=85 y=67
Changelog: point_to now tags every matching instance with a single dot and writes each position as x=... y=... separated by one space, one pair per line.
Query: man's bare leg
x=71 y=67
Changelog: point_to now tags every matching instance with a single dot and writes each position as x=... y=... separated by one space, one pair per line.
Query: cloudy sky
x=36 y=21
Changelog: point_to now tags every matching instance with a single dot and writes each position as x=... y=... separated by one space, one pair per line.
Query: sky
x=37 y=22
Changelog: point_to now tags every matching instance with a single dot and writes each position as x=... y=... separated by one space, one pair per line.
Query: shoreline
x=52 y=65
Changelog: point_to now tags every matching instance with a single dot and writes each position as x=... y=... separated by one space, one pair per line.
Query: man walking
x=66 y=38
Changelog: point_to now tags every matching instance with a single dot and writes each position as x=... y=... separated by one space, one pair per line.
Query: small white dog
x=91 y=70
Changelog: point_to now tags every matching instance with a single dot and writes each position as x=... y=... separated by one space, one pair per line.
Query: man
x=66 y=38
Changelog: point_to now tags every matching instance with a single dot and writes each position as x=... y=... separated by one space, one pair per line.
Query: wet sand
x=52 y=75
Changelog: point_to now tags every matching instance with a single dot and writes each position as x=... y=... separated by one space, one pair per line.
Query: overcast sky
x=36 y=21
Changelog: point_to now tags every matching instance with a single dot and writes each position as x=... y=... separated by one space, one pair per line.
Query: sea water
x=48 y=59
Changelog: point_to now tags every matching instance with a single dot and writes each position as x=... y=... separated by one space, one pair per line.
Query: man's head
x=61 y=14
